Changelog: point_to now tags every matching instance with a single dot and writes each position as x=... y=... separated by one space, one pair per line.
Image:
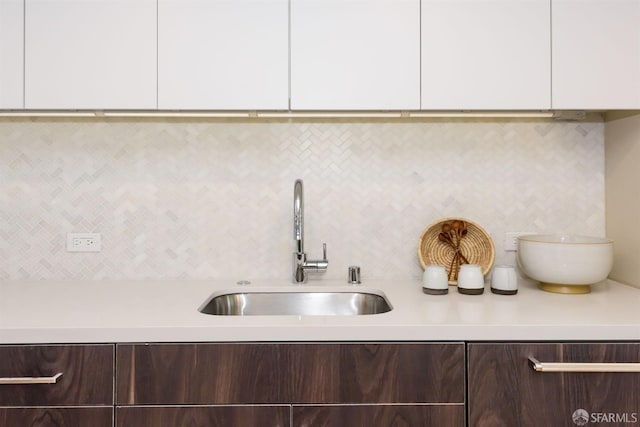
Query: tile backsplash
x=213 y=199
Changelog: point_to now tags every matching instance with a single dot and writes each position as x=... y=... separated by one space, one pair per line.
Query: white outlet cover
x=511 y=239
x=84 y=242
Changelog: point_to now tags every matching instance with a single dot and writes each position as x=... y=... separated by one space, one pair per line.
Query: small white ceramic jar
x=434 y=280
x=470 y=279
x=504 y=280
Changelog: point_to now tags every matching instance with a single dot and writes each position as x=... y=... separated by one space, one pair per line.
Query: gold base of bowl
x=558 y=288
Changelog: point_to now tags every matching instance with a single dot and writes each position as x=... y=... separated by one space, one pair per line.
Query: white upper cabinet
x=596 y=54
x=11 y=53
x=223 y=54
x=90 y=54
x=355 y=54
x=486 y=54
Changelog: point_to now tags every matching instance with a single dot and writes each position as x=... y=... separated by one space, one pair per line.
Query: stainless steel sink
x=315 y=303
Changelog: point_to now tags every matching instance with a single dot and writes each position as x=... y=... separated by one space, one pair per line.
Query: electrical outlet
x=511 y=239
x=84 y=242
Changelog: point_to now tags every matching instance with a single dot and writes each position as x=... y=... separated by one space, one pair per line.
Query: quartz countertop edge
x=116 y=311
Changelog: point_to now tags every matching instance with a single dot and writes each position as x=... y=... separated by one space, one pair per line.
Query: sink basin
x=316 y=303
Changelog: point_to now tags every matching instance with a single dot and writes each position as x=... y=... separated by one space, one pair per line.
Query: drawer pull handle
x=582 y=367
x=31 y=380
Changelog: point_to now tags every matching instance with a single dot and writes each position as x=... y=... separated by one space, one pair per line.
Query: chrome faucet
x=301 y=267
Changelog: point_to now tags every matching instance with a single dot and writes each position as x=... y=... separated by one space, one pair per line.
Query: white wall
x=213 y=199
x=623 y=196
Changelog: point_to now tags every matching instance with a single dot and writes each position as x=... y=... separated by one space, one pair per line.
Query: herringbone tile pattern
x=213 y=199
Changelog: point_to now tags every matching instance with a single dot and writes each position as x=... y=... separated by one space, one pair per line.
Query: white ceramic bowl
x=562 y=262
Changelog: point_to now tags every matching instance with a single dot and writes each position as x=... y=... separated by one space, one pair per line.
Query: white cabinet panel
x=11 y=53
x=90 y=54
x=486 y=54
x=355 y=54
x=223 y=54
x=596 y=54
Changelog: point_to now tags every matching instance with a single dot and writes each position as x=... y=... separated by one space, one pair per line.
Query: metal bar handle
x=31 y=380
x=582 y=367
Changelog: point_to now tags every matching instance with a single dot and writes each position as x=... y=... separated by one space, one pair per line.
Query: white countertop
x=166 y=311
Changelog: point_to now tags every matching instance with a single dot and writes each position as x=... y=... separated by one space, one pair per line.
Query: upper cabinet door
x=596 y=54
x=486 y=55
x=11 y=53
x=355 y=54
x=90 y=54
x=223 y=54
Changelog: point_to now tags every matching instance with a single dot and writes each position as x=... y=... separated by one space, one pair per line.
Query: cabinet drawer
x=251 y=373
x=56 y=417
x=203 y=416
x=377 y=373
x=504 y=389
x=378 y=415
x=199 y=374
x=87 y=375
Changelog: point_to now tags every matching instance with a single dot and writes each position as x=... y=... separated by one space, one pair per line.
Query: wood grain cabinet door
x=377 y=373
x=378 y=415
x=56 y=417
x=250 y=373
x=204 y=416
x=199 y=374
x=504 y=390
x=87 y=375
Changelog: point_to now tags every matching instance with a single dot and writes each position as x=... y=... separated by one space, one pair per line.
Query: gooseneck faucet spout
x=298 y=216
x=301 y=267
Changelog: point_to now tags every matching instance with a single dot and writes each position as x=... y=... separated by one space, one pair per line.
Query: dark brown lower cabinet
x=320 y=384
x=87 y=375
x=290 y=384
x=56 y=385
x=204 y=416
x=504 y=389
x=289 y=373
x=379 y=416
x=56 y=417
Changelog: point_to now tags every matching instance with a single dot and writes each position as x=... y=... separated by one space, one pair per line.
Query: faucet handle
x=315 y=265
